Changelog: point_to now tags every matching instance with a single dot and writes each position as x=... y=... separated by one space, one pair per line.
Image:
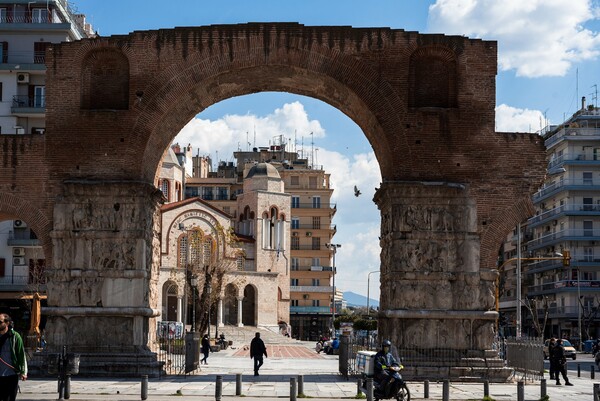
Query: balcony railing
x=20 y=282
x=560 y=311
x=311 y=268
x=312 y=227
x=308 y=247
x=310 y=309
x=555 y=186
x=571 y=132
x=585 y=209
x=311 y=288
x=576 y=234
x=35 y=102
x=313 y=206
x=562 y=285
x=573 y=157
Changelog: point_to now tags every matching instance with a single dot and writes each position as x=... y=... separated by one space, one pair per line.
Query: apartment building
x=26 y=29
x=567 y=219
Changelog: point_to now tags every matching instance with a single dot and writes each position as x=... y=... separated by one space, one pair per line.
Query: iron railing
x=525 y=355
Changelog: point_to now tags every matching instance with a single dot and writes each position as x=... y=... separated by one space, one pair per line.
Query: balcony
x=572 y=134
x=309 y=247
x=21 y=283
x=314 y=205
x=324 y=310
x=562 y=286
x=22 y=237
x=311 y=288
x=560 y=312
x=573 y=234
x=27 y=106
x=566 y=185
x=313 y=227
x=564 y=210
x=588 y=158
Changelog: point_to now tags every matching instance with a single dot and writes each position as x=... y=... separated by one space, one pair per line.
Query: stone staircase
x=243 y=335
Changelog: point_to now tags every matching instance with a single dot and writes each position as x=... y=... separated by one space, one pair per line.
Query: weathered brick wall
x=366 y=73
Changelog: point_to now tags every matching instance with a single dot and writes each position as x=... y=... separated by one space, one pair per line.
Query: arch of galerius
x=452 y=187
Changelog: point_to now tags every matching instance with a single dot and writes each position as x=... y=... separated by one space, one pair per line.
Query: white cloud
x=511 y=119
x=535 y=37
x=233 y=131
x=357 y=218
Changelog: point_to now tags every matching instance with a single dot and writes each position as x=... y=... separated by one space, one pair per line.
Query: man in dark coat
x=257 y=350
x=561 y=363
x=553 y=364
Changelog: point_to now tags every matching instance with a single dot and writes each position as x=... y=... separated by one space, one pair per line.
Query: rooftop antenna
x=594 y=95
x=247 y=143
x=295 y=142
x=312 y=150
x=302 y=148
x=254 y=136
x=577 y=83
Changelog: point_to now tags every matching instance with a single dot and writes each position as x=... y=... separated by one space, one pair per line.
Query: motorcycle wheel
x=403 y=393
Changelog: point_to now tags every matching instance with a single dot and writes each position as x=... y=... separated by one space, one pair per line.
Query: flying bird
x=356 y=191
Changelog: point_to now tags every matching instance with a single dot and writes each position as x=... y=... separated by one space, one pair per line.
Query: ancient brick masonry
x=425 y=103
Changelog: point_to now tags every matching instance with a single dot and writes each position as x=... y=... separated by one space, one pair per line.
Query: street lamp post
x=369 y=288
x=208 y=291
x=334 y=248
x=194 y=282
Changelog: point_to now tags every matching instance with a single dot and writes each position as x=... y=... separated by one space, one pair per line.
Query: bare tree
x=588 y=315
x=535 y=305
x=209 y=259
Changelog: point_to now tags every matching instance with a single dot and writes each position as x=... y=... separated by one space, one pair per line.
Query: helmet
x=386 y=343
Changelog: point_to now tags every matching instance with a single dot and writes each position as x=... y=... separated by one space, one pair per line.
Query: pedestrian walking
x=205 y=348
x=257 y=350
x=13 y=364
x=553 y=364
x=561 y=363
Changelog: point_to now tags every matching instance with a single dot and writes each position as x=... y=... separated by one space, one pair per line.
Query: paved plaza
x=319 y=372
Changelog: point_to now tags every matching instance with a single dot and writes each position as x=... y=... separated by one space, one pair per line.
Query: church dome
x=263 y=170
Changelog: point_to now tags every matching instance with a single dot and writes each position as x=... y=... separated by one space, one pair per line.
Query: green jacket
x=18 y=352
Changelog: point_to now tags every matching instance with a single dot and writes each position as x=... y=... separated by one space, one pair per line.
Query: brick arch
x=433 y=76
x=105 y=80
x=180 y=92
x=503 y=222
x=13 y=207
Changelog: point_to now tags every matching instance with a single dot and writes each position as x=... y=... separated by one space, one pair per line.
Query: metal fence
x=525 y=356
x=508 y=357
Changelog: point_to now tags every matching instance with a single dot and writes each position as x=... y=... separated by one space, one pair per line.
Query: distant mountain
x=354 y=299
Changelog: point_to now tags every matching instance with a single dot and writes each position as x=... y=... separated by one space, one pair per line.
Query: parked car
x=570 y=351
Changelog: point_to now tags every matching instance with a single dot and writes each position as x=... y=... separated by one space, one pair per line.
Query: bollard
x=238 y=384
x=486 y=388
x=300 y=385
x=596 y=391
x=543 y=391
x=144 y=387
x=219 y=388
x=446 y=390
x=370 y=389
x=520 y=391
x=426 y=389
x=358 y=389
x=67 y=387
x=578 y=370
x=592 y=372
x=293 y=389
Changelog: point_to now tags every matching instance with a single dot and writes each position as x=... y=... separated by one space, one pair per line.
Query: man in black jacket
x=561 y=363
x=257 y=350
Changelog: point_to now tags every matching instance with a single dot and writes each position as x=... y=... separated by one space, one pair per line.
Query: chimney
x=583 y=103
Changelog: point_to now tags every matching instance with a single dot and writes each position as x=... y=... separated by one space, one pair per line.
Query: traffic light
x=566 y=258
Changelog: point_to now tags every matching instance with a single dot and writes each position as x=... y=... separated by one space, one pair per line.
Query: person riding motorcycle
x=385 y=377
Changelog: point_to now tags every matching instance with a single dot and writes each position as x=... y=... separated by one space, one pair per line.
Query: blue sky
x=548 y=58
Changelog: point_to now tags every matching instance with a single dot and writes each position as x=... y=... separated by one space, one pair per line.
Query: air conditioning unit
x=308 y=234
x=18 y=251
x=23 y=78
x=19 y=224
x=19 y=261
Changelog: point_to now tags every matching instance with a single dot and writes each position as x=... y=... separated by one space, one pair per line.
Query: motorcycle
x=398 y=389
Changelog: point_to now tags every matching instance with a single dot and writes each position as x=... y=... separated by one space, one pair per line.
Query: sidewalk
x=321 y=382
